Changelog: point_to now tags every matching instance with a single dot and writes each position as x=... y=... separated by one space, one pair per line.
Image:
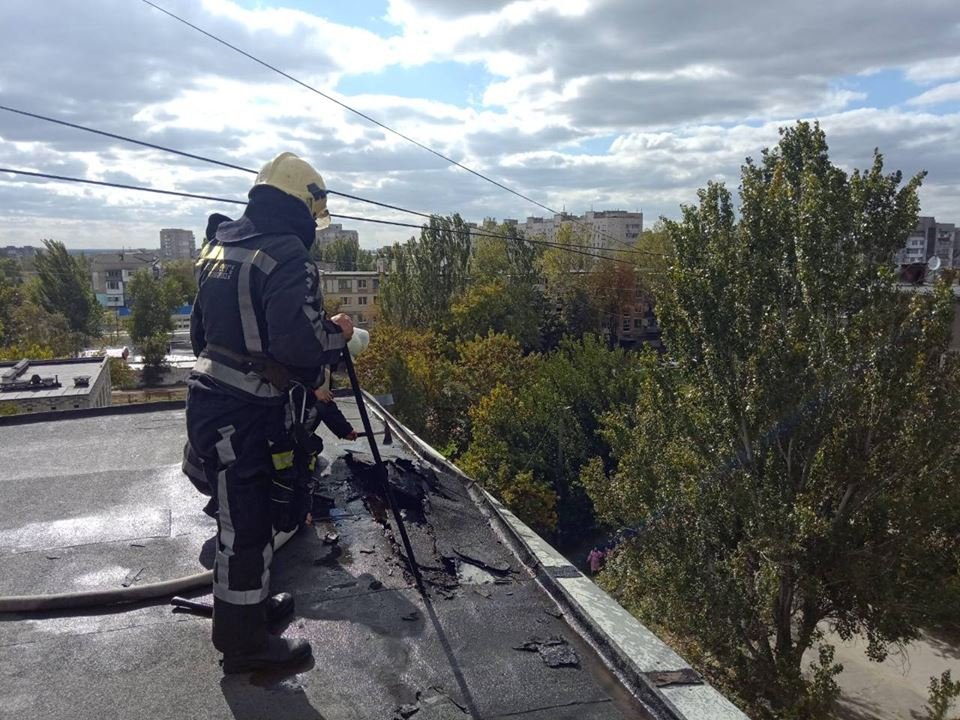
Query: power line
x=103 y=183
x=158 y=191
x=182 y=153
x=364 y=115
x=342 y=104
x=232 y=166
x=123 y=138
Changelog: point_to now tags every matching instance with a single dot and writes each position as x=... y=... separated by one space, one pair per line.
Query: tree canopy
x=795 y=459
x=153 y=300
x=27 y=330
x=345 y=254
x=427 y=274
x=63 y=287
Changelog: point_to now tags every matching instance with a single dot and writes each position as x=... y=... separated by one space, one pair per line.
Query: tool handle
x=195 y=606
x=361 y=407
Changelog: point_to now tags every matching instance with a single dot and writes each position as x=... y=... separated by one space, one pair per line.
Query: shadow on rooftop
x=266 y=697
x=849 y=708
x=945 y=640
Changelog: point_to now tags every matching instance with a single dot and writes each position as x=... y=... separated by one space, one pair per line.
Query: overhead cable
x=363 y=115
x=158 y=191
x=232 y=166
x=344 y=105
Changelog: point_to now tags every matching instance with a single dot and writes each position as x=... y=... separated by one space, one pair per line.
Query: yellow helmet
x=296 y=177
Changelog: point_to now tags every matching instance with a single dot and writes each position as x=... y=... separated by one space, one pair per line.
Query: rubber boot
x=240 y=633
x=278 y=607
x=278 y=652
x=239 y=629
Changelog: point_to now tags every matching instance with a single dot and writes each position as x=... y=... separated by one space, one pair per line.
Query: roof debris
x=132 y=577
x=434 y=704
x=430 y=510
x=667 y=678
x=555 y=651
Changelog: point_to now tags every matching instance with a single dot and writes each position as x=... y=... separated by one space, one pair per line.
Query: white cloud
x=949 y=92
x=608 y=102
x=944 y=68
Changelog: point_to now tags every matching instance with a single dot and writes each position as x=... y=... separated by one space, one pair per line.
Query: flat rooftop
x=96 y=500
x=65 y=370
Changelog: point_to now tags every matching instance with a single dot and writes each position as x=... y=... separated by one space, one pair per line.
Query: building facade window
x=344 y=300
x=362 y=300
x=376 y=283
x=361 y=284
x=345 y=284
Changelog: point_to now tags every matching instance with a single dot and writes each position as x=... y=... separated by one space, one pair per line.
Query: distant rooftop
x=64 y=370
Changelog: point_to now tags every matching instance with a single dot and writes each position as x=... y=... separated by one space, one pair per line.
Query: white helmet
x=296 y=177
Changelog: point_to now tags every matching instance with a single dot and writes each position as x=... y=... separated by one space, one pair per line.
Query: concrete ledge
x=132 y=409
x=662 y=679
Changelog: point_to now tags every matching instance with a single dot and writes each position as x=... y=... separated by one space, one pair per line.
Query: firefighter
x=260 y=332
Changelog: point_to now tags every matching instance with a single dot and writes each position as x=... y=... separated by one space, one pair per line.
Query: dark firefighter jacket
x=259 y=304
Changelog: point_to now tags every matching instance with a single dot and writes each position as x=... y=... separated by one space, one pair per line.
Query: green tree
x=10 y=298
x=181 y=281
x=943 y=693
x=795 y=461
x=121 y=376
x=26 y=329
x=153 y=301
x=427 y=275
x=413 y=366
x=64 y=288
x=547 y=425
x=346 y=254
x=36 y=330
x=569 y=282
x=504 y=293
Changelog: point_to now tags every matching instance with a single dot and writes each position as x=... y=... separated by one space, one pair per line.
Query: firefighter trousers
x=231 y=437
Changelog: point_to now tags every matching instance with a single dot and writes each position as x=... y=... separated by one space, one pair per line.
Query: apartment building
x=931 y=238
x=357 y=292
x=334 y=232
x=110 y=273
x=177 y=244
x=605 y=229
x=636 y=323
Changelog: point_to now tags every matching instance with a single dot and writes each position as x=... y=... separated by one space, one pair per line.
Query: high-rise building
x=604 y=229
x=177 y=244
x=334 y=232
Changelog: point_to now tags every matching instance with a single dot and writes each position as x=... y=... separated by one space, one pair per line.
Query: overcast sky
x=630 y=104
